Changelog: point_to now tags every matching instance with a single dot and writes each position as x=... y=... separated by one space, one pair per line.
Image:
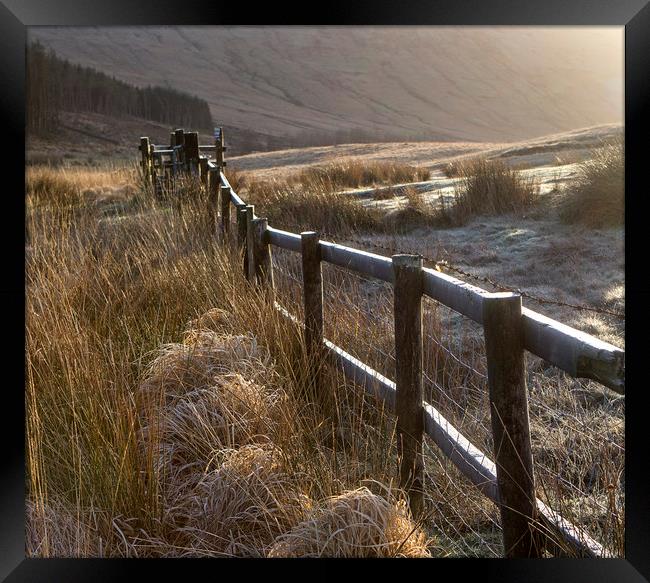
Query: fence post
x=262 y=261
x=242 y=235
x=408 y=375
x=213 y=199
x=504 y=347
x=152 y=168
x=225 y=210
x=179 y=140
x=312 y=283
x=203 y=167
x=312 y=288
x=219 y=147
x=144 y=149
x=174 y=161
x=250 y=243
x=192 y=151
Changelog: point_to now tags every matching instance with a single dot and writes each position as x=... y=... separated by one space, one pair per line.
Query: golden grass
x=355 y=173
x=242 y=506
x=355 y=524
x=598 y=198
x=313 y=199
x=298 y=208
x=490 y=187
x=155 y=416
x=128 y=428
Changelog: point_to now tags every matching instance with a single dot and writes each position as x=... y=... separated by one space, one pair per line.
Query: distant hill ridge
x=325 y=84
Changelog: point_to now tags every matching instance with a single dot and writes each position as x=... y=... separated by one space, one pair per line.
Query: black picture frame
x=17 y=15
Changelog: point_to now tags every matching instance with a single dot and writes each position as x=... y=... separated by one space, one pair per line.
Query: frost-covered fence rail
x=529 y=525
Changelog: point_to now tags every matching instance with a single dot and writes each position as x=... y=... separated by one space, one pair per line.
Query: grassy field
x=171 y=410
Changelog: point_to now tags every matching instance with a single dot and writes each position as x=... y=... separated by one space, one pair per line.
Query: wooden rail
x=577 y=353
x=528 y=524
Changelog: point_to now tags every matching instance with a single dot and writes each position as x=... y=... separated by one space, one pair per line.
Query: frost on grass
x=202 y=398
x=242 y=506
x=355 y=524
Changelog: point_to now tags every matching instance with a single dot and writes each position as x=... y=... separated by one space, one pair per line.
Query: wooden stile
x=504 y=347
x=408 y=375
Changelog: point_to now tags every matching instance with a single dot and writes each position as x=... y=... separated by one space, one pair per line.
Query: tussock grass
x=313 y=200
x=598 y=198
x=240 y=508
x=415 y=213
x=457 y=168
x=490 y=187
x=356 y=173
x=355 y=524
x=298 y=208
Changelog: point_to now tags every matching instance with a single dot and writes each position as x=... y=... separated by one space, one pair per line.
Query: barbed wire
x=441 y=265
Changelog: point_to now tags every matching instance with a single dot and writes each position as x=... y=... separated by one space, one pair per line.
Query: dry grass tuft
x=231 y=412
x=357 y=173
x=598 y=198
x=356 y=524
x=241 y=507
x=415 y=213
x=236 y=178
x=457 y=168
x=313 y=198
x=200 y=399
x=55 y=531
x=297 y=208
x=491 y=187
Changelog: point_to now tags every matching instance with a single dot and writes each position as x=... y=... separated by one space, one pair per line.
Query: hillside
x=536 y=252
x=482 y=84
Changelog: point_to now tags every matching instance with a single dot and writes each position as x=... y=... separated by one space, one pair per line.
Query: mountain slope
x=483 y=84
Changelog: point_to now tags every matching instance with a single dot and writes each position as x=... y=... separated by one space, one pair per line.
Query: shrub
x=598 y=198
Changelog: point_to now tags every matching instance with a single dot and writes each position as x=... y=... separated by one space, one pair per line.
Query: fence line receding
x=529 y=526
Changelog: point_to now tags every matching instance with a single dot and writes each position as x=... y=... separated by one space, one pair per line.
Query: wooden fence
x=529 y=525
